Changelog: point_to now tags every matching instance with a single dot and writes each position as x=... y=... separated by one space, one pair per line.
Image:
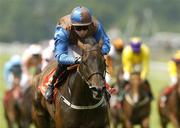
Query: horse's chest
x=84 y=118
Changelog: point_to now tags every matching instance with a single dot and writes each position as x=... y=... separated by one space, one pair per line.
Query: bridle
x=102 y=101
x=92 y=74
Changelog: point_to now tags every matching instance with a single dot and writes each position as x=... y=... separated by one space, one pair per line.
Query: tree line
x=34 y=20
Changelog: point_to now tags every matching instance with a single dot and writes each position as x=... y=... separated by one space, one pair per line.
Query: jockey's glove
x=78 y=60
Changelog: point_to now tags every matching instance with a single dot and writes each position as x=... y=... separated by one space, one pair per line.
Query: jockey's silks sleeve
x=61 y=38
x=172 y=69
x=145 y=62
x=101 y=35
x=129 y=60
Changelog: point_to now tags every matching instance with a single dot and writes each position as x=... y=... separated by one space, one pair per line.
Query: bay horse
x=136 y=105
x=11 y=98
x=170 y=112
x=18 y=102
x=11 y=110
x=17 y=107
x=81 y=100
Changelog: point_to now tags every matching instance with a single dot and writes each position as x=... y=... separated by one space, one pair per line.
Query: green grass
x=157 y=78
x=3 y=59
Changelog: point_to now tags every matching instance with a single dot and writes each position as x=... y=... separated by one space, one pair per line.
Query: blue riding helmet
x=81 y=16
x=136 y=44
x=15 y=60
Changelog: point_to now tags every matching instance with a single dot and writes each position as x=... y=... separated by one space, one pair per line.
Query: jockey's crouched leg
x=49 y=92
x=148 y=89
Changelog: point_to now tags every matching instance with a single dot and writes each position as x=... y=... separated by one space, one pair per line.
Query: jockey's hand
x=78 y=60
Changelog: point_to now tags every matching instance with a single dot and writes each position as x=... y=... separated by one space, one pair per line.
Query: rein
x=87 y=80
x=100 y=103
x=132 y=102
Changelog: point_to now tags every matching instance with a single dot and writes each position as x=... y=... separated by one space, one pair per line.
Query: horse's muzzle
x=97 y=92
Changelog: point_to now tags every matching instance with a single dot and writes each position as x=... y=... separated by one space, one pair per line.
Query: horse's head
x=93 y=67
x=135 y=80
x=135 y=84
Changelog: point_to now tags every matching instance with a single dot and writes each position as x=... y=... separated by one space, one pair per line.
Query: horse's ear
x=81 y=45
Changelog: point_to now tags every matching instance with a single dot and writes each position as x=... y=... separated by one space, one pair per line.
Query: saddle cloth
x=46 y=81
x=61 y=78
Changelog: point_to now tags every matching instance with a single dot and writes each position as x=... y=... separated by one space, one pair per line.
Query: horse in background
x=17 y=102
x=11 y=110
x=81 y=100
x=17 y=107
x=170 y=111
x=136 y=105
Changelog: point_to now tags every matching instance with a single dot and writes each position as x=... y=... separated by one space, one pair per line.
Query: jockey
x=135 y=57
x=118 y=45
x=172 y=66
x=115 y=52
x=13 y=71
x=79 y=25
x=48 y=54
x=31 y=62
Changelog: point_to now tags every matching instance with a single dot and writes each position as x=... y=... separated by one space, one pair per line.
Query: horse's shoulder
x=52 y=65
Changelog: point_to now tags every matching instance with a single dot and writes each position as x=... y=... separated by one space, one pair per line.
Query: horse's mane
x=88 y=43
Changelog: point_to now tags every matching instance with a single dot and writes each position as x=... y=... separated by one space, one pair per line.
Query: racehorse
x=170 y=111
x=17 y=102
x=11 y=110
x=81 y=100
x=17 y=106
x=136 y=105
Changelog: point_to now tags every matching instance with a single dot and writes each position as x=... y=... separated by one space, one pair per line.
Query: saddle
x=60 y=80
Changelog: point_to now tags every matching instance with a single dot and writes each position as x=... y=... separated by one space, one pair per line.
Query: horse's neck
x=78 y=87
x=134 y=92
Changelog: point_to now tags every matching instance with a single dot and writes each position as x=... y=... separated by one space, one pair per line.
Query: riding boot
x=148 y=89
x=49 y=92
x=122 y=89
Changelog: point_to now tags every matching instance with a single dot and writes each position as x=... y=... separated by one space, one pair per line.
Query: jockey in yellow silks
x=172 y=68
x=135 y=58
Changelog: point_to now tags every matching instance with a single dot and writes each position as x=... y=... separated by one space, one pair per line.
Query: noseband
x=92 y=74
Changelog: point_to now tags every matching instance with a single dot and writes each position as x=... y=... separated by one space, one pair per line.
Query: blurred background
x=157 y=22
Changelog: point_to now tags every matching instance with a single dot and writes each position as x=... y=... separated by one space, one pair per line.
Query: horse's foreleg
x=145 y=123
x=40 y=120
x=174 y=120
x=40 y=116
x=163 y=122
x=127 y=124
